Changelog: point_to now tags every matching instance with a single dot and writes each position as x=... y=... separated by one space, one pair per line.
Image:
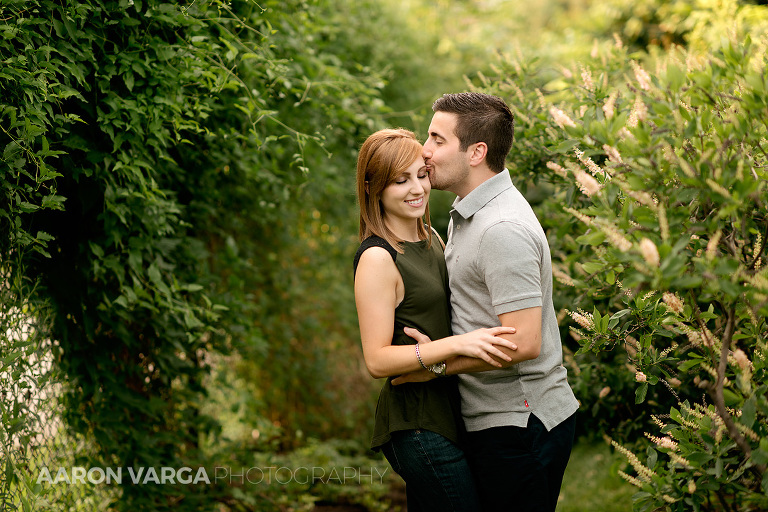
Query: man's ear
x=478 y=151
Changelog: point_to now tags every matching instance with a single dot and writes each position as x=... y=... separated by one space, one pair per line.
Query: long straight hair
x=382 y=159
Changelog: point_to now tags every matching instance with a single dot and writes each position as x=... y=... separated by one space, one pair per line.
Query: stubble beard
x=444 y=182
x=434 y=183
x=439 y=181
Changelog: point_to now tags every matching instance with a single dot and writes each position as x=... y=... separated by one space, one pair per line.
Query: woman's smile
x=416 y=202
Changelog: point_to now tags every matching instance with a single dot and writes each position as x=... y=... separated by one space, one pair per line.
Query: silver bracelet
x=418 y=356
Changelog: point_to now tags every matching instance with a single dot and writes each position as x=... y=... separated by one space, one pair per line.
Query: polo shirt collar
x=483 y=194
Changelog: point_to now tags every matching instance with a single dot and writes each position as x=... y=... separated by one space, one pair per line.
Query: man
x=520 y=419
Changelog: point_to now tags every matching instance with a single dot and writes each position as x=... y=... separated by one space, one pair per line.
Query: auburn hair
x=383 y=157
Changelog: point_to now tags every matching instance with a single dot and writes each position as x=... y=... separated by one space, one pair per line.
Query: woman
x=401 y=282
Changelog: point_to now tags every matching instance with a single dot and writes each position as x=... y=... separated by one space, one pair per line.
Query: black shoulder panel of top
x=373 y=241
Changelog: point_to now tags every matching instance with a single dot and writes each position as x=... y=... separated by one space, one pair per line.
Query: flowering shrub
x=657 y=213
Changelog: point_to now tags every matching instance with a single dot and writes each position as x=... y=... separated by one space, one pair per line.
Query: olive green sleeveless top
x=433 y=405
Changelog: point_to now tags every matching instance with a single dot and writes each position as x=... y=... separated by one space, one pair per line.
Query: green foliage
x=659 y=189
x=176 y=184
x=26 y=377
x=95 y=96
x=295 y=316
x=698 y=25
x=149 y=148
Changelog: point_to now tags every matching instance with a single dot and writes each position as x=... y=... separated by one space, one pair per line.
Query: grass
x=591 y=483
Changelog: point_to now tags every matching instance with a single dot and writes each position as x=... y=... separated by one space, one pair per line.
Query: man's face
x=448 y=167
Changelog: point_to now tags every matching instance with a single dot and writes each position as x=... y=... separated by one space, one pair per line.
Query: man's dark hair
x=481 y=118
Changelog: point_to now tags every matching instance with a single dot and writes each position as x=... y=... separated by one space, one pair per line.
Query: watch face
x=438 y=369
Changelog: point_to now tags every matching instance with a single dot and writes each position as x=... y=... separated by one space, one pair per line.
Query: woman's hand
x=480 y=344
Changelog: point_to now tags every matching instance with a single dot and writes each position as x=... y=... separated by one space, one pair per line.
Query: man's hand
x=416 y=334
x=417 y=376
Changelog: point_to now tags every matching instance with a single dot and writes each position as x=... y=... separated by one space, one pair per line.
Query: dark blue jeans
x=520 y=469
x=435 y=470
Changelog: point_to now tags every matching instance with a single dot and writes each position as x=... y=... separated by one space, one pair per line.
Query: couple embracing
x=476 y=413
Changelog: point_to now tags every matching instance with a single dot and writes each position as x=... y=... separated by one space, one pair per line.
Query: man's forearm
x=462 y=364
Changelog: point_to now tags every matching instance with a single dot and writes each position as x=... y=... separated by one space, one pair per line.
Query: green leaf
x=653 y=456
x=154 y=275
x=641 y=392
x=687 y=281
x=749 y=411
x=593 y=267
x=565 y=146
x=675 y=77
x=27 y=207
x=11 y=357
x=96 y=249
x=684 y=366
x=621 y=314
x=42 y=236
x=232 y=53
x=592 y=238
x=9 y=470
x=760 y=455
x=54 y=202
x=731 y=398
x=699 y=458
x=709 y=313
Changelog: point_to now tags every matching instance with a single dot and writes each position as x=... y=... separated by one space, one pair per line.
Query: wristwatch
x=438 y=368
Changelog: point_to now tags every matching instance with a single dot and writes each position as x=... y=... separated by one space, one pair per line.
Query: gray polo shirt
x=498 y=261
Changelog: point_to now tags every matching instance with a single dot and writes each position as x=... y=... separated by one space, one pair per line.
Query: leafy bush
x=696 y=24
x=658 y=183
x=149 y=148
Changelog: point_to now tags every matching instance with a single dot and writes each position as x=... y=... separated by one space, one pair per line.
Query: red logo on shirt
x=526 y=402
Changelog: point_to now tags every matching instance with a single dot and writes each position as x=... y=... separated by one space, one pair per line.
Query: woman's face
x=407 y=197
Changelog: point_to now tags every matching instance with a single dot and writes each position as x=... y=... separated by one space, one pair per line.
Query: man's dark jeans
x=520 y=469
x=435 y=470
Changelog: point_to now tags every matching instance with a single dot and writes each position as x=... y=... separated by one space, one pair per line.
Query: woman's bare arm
x=378 y=291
